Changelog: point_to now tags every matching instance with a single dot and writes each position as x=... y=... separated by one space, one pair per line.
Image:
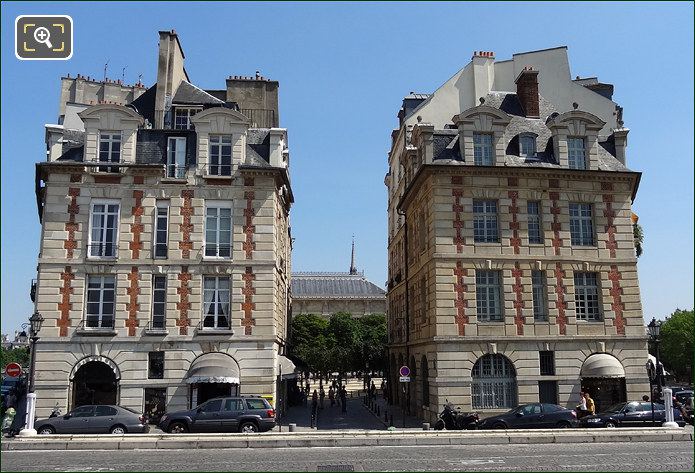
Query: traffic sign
x=404 y=379
x=13 y=370
x=404 y=371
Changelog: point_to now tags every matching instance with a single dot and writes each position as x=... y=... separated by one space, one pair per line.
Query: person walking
x=322 y=396
x=581 y=407
x=645 y=398
x=343 y=395
x=331 y=396
x=372 y=391
x=314 y=409
x=590 y=405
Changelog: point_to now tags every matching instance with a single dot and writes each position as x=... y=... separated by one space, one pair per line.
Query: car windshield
x=616 y=407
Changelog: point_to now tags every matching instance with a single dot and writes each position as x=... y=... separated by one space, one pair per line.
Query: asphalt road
x=659 y=456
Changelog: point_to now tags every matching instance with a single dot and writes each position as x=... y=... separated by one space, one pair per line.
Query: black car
x=228 y=414
x=630 y=414
x=533 y=416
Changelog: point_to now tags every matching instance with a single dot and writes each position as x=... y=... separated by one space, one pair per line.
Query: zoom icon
x=47 y=37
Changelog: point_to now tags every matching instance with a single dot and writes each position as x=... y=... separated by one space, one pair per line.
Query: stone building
x=164 y=264
x=325 y=293
x=512 y=267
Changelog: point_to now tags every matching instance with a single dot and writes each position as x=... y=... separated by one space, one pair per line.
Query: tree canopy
x=676 y=347
x=15 y=355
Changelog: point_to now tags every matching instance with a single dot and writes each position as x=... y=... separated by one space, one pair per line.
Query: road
x=626 y=456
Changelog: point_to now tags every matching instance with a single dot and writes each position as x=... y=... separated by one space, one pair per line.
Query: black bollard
x=386 y=416
x=391 y=423
x=378 y=411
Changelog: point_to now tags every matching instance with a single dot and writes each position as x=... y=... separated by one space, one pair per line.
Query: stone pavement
x=331 y=417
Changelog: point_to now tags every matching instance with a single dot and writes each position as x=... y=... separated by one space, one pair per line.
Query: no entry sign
x=13 y=370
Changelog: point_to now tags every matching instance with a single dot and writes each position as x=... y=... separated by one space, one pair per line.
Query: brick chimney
x=527 y=91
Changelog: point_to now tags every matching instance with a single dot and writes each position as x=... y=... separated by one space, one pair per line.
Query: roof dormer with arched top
x=482 y=128
x=110 y=133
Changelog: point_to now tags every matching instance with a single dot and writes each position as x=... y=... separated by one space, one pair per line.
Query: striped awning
x=602 y=365
x=213 y=368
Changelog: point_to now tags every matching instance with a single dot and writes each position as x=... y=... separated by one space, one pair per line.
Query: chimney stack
x=527 y=91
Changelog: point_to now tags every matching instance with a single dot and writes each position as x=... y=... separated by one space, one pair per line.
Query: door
x=208 y=417
x=78 y=422
x=232 y=410
x=547 y=392
x=104 y=418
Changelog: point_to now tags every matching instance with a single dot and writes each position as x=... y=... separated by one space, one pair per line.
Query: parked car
x=94 y=420
x=684 y=396
x=630 y=414
x=228 y=414
x=533 y=416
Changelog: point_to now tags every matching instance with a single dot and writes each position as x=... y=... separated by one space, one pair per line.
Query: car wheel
x=117 y=430
x=248 y=427
x=47 y=430
x=499 y=425
x=610 y=424
x=178 y=428
x=563 y=425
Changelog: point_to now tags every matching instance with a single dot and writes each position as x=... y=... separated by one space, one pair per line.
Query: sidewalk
x=330 y=417
x=392 y=415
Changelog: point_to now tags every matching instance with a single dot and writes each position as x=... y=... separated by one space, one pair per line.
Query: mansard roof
x=315 y=285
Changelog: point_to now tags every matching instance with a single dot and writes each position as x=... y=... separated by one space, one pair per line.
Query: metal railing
x=260 y=117
x=201 y=327
x=217 y=250
x=105 y=166
x=157 y=324
x=93 y=324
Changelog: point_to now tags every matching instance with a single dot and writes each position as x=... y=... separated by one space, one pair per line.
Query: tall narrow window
x=159 y=302
x=216 y=302
x=581 y=225
x=109 y=150
x=482 y=149
x=586 y=299
x=547 y=362
x=485 y=221
x=220 y=155
x=535 y=226
x=101 y=297
x=182 y=118
x=487 y=295
x=540 y=305
x=176 y=157
x=103 y=233
x=161 y=229
x=155 y=365
x=576 y=153
x=218 y=231
x=527 y=146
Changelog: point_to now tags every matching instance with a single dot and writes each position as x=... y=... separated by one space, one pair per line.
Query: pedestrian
x=645 y=398
x=322 y=395
x=590 y=405
x=581 y=407
x=372 y=391
x=331 y=396
x=314 y=409
x=342 y=393
x=677 y=406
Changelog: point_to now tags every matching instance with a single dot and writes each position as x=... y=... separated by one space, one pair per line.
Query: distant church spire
x=353 y=270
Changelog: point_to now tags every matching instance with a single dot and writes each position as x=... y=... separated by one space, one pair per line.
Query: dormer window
x=576 y=153
x=182 y=118
x=527 y=146
x=482 y=149
x=109 y=150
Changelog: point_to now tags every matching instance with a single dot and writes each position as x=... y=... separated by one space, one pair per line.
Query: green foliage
x=341 y=343
x=15 y=355
x=676 y=347
x=638 y=235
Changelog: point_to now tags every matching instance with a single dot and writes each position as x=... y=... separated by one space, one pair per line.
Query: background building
x=512 y=267
x=164 y=264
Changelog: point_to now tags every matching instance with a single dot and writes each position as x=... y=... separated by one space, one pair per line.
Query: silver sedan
x=94 y=420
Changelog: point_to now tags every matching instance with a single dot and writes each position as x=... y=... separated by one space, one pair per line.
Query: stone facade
x=434 y=258
x=257 y=267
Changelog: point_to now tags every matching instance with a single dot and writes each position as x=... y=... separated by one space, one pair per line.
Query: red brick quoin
x=519 y=318
x=65 y=305
x=71 y=226
x=618 y=306
x=514 y=241
x=183 y=305
x=561 y=290
x=556 y=225
x=132 y=305
x=248 y=306
x=137 y=227
x=249 y=228
x=186 y=228
x=609 y=213
x=458 y=209
x=461 y=304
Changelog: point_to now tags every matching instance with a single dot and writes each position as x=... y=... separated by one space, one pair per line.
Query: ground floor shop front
x=156 y=377
x=492 y=377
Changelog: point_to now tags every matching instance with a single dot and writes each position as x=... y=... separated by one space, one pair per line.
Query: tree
x=676 y=347
x=638 y=235
x=310 y=343
x=373 y=341
x=14 y=355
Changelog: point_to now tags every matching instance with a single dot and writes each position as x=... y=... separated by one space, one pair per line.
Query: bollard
x=293 y=427
x=425 y=426
x=391 y=423
x=386 y=416
x=378 y=411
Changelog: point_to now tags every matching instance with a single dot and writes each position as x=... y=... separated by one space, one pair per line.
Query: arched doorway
x=604 y=377
x=211 y=375
x=493 y=383
x=95 y=381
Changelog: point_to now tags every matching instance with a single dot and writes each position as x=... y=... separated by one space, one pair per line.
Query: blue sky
x=343 y=70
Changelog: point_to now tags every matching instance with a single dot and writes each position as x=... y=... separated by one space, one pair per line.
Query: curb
x=340 y=439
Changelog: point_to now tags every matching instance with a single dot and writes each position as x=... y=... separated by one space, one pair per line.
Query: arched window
x=425 y=376
x=493 y=383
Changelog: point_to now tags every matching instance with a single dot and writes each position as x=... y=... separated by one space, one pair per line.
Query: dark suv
x=228 y=414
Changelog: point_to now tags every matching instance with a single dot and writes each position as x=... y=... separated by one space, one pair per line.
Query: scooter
x=55 y=412
x=452 y=418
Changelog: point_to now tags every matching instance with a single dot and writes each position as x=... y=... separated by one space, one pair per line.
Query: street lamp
x=653 y=328
x=35 y=323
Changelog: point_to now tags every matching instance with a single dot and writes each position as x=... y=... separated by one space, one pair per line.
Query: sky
x=343 y=70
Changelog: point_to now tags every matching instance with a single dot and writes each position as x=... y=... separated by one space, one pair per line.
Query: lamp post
x=653 y=329
x=35 y=323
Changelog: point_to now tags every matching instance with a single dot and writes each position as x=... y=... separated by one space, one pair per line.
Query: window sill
x=216 y=176
x=97 y=332
x=217 y=258
x=486 y=243
x=492 y=322
x=581 y=247
x=592 y=321
x=174 y=180
x=156 y=332
x=101 y=258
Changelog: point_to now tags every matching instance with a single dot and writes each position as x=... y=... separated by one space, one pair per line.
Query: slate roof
x=188 y=93
x=447 y=151
x=334 y=286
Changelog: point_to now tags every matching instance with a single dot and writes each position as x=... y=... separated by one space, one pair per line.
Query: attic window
x=527 y=145
x=182 y=117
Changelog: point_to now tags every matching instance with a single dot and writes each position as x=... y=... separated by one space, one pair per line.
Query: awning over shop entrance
x=213 y=368
x=286 y=367
x=602 y=365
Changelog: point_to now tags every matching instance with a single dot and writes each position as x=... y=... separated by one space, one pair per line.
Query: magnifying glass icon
x=42 y=35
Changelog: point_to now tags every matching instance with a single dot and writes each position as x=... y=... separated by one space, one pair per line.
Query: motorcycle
x=452 y=418
x=55 y=412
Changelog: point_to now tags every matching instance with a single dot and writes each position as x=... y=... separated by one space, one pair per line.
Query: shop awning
x=286 y=368
x=602 y=365
x=213 y=368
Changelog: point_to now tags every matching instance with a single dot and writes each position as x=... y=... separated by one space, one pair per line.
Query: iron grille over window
x=493 y=383
x=155 y=365
x=547 y=360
